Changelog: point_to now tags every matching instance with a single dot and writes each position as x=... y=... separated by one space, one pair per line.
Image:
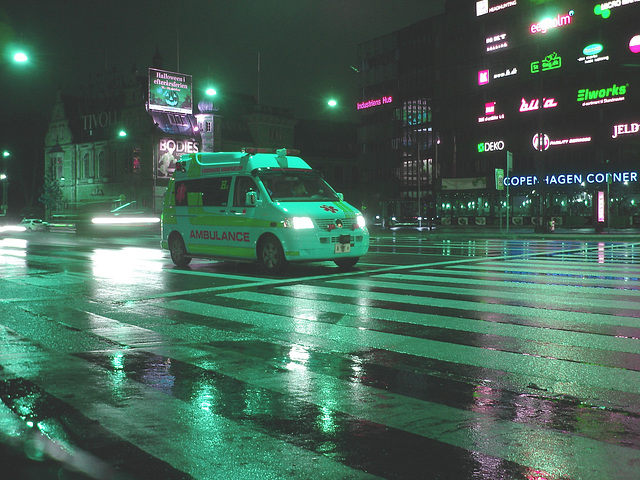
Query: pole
x=418 y=172
x=608 y=204
x=509 y=168
x=5 y=188
x=4 y=178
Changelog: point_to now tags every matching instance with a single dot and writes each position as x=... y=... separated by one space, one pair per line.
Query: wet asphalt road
x=436 y=358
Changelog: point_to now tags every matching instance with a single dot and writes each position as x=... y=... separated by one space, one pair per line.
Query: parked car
x=34 y=225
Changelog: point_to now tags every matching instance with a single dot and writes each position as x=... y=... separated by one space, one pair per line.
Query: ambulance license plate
x=342 y=248
x=344 y=245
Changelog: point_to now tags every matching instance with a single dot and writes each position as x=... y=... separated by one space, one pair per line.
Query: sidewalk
x=515 y=232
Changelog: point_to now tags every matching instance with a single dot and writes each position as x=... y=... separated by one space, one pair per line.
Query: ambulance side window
x=243 y=185
x=216 y=191
x=204 y=192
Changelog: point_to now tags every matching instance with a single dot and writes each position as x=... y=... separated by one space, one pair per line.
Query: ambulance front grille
x=336 y=239
x=325 y=222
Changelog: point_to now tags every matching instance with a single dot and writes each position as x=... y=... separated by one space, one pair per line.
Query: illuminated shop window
x=136 y=161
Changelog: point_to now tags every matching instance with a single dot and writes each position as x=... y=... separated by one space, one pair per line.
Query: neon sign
x=601 y=206
x=490 y=113
x=625 y=129
x=482 y=7
x=550 y=62
x=375 y=102
x=591 y=54
x=548 y=23
x=496 y=42
x=507 y=73
x=490 y=146
x=573 y=178
x=612 y=94
x=634 y=44
x=542 y=142
x=535 y=104
x=604 y=9
x=592 y=49
x=483 y=77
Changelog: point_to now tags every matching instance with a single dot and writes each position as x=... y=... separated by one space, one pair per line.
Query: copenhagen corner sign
x=572 y=178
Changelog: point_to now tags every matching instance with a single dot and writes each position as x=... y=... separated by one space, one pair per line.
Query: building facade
x=106 y=148
x=554 y=83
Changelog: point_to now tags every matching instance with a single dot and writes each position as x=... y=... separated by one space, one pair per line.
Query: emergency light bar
x=253 y=151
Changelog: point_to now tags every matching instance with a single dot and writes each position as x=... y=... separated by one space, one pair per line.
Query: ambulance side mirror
x=251 y=199
x=341 y=197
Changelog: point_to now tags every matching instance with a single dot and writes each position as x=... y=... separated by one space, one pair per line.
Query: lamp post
x=5 y=185
x=206 y=120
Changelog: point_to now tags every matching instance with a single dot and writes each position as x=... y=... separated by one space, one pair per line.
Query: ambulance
x=260 y=206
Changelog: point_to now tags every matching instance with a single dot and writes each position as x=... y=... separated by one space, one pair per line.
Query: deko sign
x=490 y=146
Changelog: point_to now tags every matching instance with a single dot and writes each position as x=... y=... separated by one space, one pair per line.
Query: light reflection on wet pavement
x=484 y=360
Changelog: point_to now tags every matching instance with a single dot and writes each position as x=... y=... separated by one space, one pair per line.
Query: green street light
x=6 y=154
x=211 y=92
x=122 y=133
x=332 y=103
x=20 y=57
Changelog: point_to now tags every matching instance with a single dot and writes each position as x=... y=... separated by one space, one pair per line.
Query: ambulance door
x=208 y=210
x=242 y=216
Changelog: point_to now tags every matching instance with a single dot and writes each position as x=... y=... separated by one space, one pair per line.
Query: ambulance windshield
x=298 y=186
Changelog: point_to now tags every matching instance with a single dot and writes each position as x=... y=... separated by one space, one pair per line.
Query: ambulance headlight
x=298 y=223
x=360 y=221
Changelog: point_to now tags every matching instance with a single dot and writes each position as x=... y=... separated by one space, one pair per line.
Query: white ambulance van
x=270 y=208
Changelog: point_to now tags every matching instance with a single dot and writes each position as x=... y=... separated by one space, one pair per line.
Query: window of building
x=88 y=166
x=175 y=119
x=102 y=164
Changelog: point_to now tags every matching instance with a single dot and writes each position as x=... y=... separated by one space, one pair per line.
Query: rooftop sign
x=482 y=6
x=548 y=23
x=605 y=8
x=376 y=102
x=614 y=93
x=170 y=92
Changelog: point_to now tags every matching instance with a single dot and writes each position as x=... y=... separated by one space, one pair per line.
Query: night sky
x=306 y=47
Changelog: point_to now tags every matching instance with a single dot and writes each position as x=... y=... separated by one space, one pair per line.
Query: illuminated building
x=116 y=142
x=553 y=82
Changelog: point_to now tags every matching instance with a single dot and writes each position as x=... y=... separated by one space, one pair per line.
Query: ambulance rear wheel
x=345 y=263
x=178 y=251
x=271 y=255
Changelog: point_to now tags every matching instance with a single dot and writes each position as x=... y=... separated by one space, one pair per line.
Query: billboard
x=170 y=91
x=169 y=151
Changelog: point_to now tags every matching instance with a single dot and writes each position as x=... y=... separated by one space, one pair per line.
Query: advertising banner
x=169 y=150
x=475 y=183
x=170 y=91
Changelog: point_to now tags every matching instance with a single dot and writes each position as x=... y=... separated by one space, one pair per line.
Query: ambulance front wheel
x=271 y=255
x=345 y=263
x=178 y=251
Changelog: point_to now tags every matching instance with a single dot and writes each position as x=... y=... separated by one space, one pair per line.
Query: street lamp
x=20 y=57
x=206 y=119
x=5 y=186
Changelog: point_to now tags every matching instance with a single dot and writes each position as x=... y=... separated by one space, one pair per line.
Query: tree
x=51 y=194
